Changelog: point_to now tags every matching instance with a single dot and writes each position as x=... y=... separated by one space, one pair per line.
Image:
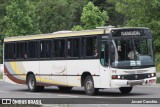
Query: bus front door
x=104 y=66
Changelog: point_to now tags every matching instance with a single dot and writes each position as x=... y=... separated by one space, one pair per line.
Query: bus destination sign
x=131 y=33
x=127 y=32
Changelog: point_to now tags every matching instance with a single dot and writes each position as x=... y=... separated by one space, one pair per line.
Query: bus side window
x=21 y=49
x=48 y=49
x=73 y=47
x=33 y=48
x=83 y=44
x=89 y=46
x=59 y=48
x=42 y=49
x=45 y=49
x=104 y=54
x=9 y=51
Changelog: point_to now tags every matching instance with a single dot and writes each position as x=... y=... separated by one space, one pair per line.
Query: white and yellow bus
x=94 y=59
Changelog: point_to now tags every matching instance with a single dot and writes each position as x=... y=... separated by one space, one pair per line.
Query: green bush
x=157 y=61
x=1 y=75
x=158 y=80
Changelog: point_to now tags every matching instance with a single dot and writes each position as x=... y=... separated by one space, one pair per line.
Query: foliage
x=157 y=61
x=58 y=15
x=20 y=18
x=75 y=10
x=92 y=17
x=53 y=15
x=1 y=75
x=3 y=4
x=77 y=28
x=1 y=48
x=158 y=80
x=115 y=18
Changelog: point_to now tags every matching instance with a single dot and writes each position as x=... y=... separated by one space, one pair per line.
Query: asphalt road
x=112 y=95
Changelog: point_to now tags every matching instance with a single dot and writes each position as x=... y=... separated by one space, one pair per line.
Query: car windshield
x=131 y=53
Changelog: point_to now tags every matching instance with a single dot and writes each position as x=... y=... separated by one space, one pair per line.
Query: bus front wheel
x=125 y=90
x=89 y=86
x=31 y=83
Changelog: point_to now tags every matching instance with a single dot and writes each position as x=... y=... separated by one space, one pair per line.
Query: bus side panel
x=53 y=72
x=12 y=73
x=75 y=69
x=7 y=71
x=15 y=72
x=29 y=66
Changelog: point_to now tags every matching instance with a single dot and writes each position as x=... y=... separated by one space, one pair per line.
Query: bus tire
x=89 y=86
x=125 y=90
x=31 y=83
x=65 y=89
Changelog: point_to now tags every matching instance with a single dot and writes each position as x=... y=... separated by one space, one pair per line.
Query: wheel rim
x=31 y=83
x=89 y=85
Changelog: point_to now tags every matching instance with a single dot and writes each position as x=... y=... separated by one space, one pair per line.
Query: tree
x=92 y=17
x=141 y=13
x=75 y=11
x=115 y=18
x=1 y=48
x=21 y=19
x=3 y=4
x=54 y=15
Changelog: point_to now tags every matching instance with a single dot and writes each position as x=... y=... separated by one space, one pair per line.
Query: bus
x=106 y=57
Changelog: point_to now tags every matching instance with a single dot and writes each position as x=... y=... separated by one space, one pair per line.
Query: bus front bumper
x=117 y=83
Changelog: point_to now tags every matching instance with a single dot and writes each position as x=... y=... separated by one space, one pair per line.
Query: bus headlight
x=119 y=77
x=152 y=74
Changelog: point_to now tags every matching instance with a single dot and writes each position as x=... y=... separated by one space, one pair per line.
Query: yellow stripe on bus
x=45 y=36
x=16 y=70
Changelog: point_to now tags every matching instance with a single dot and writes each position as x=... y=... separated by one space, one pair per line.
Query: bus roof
x=102 y=30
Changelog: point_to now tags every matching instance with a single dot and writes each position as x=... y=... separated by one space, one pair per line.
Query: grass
x=158 y=80
x=1 y=75
x=157 y=61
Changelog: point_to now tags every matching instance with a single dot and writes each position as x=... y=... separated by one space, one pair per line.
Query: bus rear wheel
x=89 y=86
x=31 y=83
x=125 y=90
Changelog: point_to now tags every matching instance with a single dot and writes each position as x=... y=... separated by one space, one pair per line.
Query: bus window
x=83 y=44
x=89 y=46
x=10 y=51
x=33 y=48
x=104 y=54
x=45 y=49
x=42 y=49
x=73 y=47
x=59 y=48
x=21 y=49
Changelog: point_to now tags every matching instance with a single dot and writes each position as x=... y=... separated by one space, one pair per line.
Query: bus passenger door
x=104 y=65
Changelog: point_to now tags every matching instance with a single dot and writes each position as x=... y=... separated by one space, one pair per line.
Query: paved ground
x=107 y=97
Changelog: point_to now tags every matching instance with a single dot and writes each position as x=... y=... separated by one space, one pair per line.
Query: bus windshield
x=131 y=53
